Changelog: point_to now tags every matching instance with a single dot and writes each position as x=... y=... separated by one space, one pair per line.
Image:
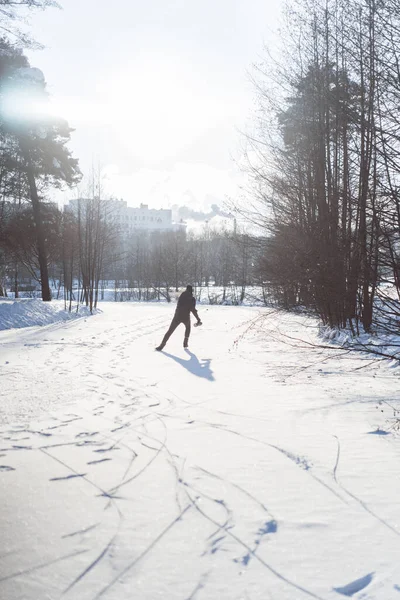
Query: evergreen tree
x=33 y=152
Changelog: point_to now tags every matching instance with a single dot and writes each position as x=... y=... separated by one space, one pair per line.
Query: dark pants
x=174 y=324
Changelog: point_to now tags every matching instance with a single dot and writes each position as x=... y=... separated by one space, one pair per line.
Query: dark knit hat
x=189 y=288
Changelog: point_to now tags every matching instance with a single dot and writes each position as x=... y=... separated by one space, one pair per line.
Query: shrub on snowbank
x=380 y=344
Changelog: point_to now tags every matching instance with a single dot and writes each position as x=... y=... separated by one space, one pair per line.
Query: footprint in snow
x=101 y=450
x=301 y=461
x=6 y=468
x=68 y=477
x=215 y=545
x=355 y=586
x=86 y=434
x=268 y=527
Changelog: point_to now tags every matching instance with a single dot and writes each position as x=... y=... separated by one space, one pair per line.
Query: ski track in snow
x=247 y=473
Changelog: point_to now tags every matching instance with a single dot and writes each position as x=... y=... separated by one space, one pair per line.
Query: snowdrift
x=15 y=314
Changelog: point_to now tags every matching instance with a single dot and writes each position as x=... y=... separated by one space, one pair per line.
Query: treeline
x=78 y=249
x=87 y=248
x=169 y=260
x=326 y=161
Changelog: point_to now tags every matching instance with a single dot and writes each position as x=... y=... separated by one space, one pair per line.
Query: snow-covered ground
x=254 y=466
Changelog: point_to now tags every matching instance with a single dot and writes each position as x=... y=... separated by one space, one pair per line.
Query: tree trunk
x=16 y=293
x=40 y=234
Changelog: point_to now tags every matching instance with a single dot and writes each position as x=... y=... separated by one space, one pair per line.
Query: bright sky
x=156 y=90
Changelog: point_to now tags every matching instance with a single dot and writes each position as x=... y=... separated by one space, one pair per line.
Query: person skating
x=186 y=305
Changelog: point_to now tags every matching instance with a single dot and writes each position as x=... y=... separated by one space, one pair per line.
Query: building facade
x=130 y=219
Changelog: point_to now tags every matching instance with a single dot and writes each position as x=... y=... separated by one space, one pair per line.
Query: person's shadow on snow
x=201 y=368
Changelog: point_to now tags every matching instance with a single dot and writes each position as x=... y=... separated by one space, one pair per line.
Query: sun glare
x=18 y=107
x=77 y=112
x=152 y=109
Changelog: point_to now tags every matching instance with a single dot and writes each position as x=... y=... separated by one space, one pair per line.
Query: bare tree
x=328 y=172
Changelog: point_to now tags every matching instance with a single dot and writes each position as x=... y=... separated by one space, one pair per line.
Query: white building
x=132 y=219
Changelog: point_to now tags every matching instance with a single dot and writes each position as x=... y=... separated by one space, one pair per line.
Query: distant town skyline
x=156 y=92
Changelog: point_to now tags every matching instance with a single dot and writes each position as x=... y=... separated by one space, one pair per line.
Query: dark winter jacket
x=186 y=305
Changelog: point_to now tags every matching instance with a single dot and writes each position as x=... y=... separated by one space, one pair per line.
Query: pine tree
x=32 y=143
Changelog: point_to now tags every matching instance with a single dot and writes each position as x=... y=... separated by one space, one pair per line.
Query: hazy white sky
x=156 y=90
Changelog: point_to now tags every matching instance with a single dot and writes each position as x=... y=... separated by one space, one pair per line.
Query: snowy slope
x=253 y=466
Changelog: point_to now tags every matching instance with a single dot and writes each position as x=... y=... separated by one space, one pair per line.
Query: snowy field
x=254 y=466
